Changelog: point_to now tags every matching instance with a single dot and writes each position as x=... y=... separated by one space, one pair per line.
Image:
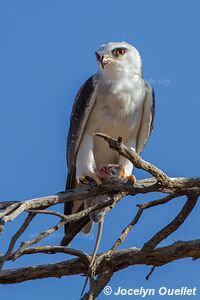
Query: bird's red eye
x=119 y=52
x=97 y=56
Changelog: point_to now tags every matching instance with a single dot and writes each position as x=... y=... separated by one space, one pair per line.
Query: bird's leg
x=128 y=168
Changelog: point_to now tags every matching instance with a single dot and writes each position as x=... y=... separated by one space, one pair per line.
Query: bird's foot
x=106 y=173
x=96 y=178
x=86 y=180
x=131 y=178
x=89 y=180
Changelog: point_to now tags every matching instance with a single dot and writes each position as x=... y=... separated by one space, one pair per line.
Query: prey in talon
x=107 y=172
x=114 y=171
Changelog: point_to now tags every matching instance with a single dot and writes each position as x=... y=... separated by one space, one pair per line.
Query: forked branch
x=111 y=260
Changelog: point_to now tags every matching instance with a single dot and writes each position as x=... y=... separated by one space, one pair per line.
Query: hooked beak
x=104 y=61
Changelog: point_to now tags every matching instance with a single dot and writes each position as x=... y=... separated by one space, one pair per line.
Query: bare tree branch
x=96 y=286
x=173 y=225
x=117 y=261
x=54 y=250
x=5 y=204
x=15 y=238
x=111 y=260
x=141 y=208
x=180 y=186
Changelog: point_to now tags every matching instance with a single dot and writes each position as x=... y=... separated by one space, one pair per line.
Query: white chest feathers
x=118 y=107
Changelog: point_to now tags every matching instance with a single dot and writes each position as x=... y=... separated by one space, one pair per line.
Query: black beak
x=103 y=61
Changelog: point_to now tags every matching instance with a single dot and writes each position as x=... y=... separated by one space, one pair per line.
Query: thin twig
x=15 y=237
x=54 y=250
x=158 y=201
x=126 y=231
x=49 y=212
x=135 y=220
x=173 y=225
x=150 y=273
x=67 y=219
x=98 y=284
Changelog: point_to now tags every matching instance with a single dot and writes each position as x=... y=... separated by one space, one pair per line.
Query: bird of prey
x=116 y=101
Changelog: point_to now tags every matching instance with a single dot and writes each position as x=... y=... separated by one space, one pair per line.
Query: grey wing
x=82 y=107
x=147 y=122
x=81 y=110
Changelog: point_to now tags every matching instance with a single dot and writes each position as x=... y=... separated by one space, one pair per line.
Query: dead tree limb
x=118 y=260
x=111 y=260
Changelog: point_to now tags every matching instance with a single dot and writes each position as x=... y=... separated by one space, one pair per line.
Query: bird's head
x=117 y=59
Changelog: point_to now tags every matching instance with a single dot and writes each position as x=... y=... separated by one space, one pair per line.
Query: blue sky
x=46 y=53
